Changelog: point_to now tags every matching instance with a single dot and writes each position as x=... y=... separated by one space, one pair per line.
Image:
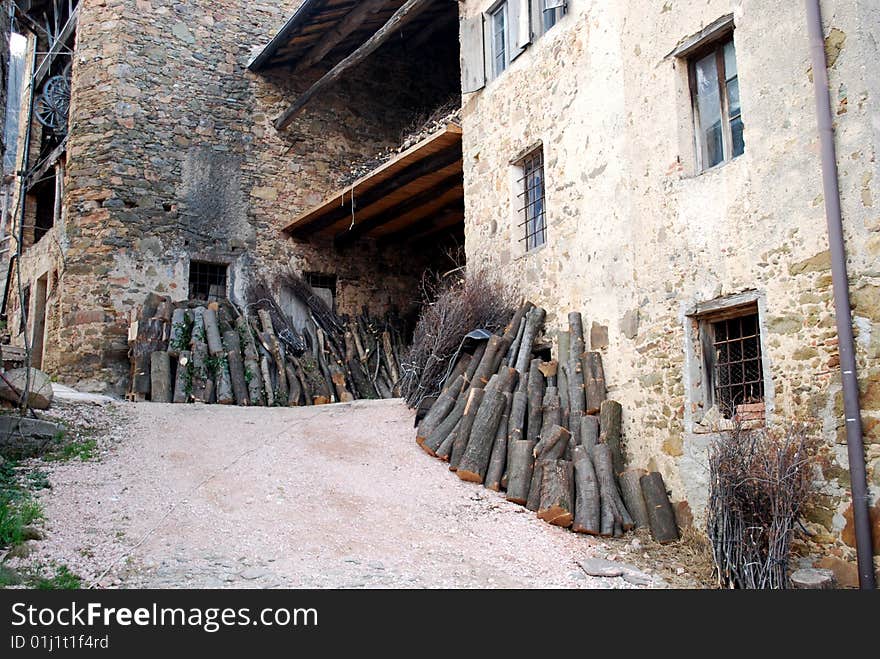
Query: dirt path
x=335 y=496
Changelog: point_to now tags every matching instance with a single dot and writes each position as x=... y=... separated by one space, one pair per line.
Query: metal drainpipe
x=842 y=311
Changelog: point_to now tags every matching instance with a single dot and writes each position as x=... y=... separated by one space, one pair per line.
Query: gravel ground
x=329 y=497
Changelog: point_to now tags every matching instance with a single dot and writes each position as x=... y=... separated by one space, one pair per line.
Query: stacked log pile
x=544 y=432
x=194 y=351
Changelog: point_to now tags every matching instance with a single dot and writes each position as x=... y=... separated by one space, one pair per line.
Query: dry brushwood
x=759 y=486
x=452 y=308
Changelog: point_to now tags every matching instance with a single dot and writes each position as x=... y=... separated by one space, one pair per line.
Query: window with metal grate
x=531 y=199
x=207 y=281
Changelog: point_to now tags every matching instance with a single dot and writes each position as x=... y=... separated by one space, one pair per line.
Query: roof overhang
x=417 y=193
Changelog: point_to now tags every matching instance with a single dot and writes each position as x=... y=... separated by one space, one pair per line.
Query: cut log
x=484 y=370
x=577 y=345
x=594 y=381
x=516 y=425
x=551 y=410
x=519 y=471
x=534 y=323
x=362 y=383
x=252 y=372
x=440 y=409
x=553 y=444
x=232 y=343
x=474 y=401
x=661 y=516
x=608 y=492
x=562 y=386
x=609 y=425
x=277 y=355
x=557 y=493
x=576 y=399
x=589 y=431
x=178 y=339
x=222 y=381
x=183 y=379
x=445 y=449
x=498 y=459
x=460 y=368
x=389 y=357
x=534 y=500
x=587 y=509
x=536 y=401
x=294 y=386
x=475 y=361
x=212 y=333
x=631 y=491
x=513 y=351
x=267 y=379
x=200 y=390
x=436 y=437
x=160 y=377
x=337 y=377
x=809 y=578
x=475 y=460
x=518 y=318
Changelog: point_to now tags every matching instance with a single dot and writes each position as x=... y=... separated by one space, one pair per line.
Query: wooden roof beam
x=401 y=17
x=343 y=29
x=408 y=205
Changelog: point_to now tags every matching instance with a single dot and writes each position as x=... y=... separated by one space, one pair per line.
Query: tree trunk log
x=267 y=378
x=631 y=491
x=534 y=500
x=253 y=373
x=389 y=357
x=232 y=341
x=435 y=438
x=661 y=516
x=513 y=352
x=474 y=364
x=474 y=401
x=200 y=388
x=553 y=444
x=552 y=411
x=519 y=471
x=515 y=428
x=563 y=386
x=222 y=382
x=536 y=401
x=183 y=380
x=609 y=425
x=557 y=493
x=445 y=449
x=608 y=491
x=576 y=400
x=475 y=460
x=484 y=370
x=177 y=339
x=534 y=323
x=498 y=459
x=212 y=333
x=589 y=431
x=275 y=347
x=295 y=391
x=594 y=381
x=587 y=509
x=160 y=377
x=337 y=377
x=440 y=409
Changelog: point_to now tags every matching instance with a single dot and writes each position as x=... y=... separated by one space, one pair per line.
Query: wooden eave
x=417 y=190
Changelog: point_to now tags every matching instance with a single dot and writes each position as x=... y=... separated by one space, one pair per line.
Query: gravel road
x=318 y=497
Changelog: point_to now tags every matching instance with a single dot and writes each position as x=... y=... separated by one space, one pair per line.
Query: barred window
x=531 y=199
x=207 y=281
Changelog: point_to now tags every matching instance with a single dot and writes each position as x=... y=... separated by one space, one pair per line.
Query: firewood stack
x=543 y=431
x=194 y=351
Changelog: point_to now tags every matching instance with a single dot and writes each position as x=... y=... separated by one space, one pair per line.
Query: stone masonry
x=636 y=237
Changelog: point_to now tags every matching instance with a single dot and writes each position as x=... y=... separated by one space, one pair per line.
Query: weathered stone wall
x=172 y=156
x=636 y=238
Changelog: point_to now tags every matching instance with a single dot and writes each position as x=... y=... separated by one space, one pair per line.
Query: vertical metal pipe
x=842 y=311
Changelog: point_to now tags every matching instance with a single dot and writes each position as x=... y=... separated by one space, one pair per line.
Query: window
x=324 y=287
x=498 y=35
x=551 y=12
x=207 y=281
x=715 y=97
x=732 y=362
x=531 y=199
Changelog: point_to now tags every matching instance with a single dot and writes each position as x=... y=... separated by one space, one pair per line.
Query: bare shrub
x=760 y=483
x=454 y=305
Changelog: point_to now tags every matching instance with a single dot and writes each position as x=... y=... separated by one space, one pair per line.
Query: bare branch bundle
x=760 y=483
x=453 y=307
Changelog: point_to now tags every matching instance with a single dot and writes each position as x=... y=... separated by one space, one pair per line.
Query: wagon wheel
x=54 y=104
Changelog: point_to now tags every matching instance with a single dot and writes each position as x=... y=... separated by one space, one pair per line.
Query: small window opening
x=46 y=199
x=324 y=286
x=531 y=199
x=551 y=12
x=734 y=363
x=715 y=95
x=499 y=38
x=207 y=281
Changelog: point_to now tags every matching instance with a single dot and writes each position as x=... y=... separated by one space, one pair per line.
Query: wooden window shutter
x=473 y=57
x=519 y=26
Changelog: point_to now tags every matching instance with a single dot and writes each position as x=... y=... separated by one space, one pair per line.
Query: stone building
x=168 y=174
x=656 y=165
